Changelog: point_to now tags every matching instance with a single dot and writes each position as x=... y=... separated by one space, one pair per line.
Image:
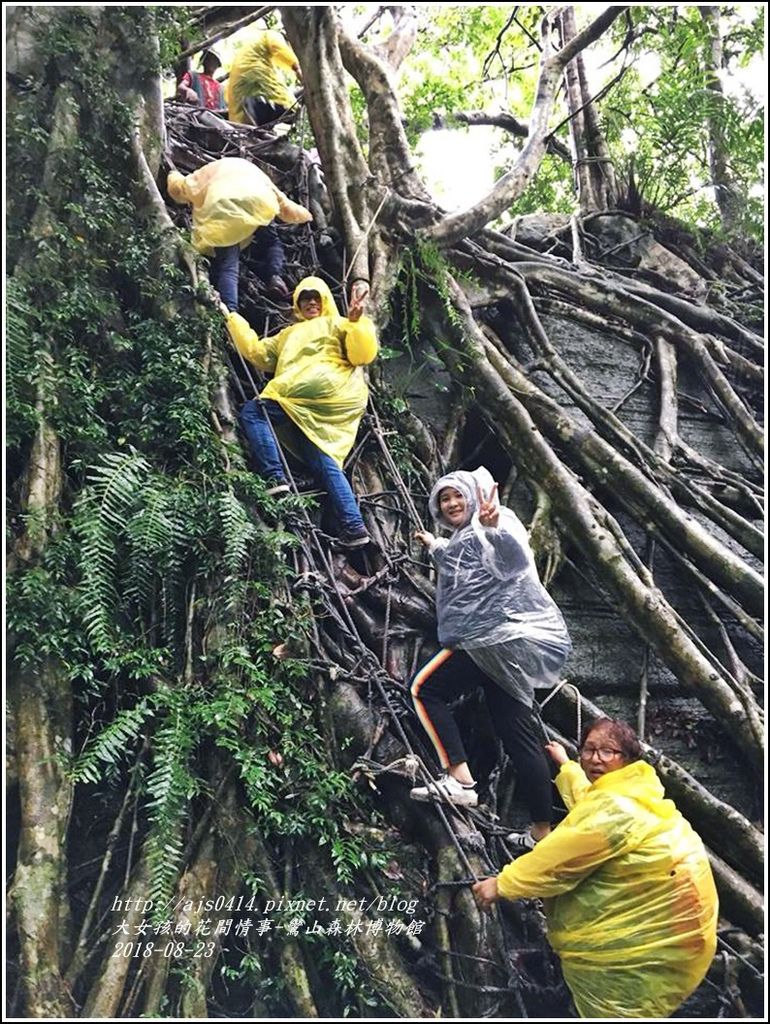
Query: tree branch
x=390 y=156
x=585 y=520
x=503 y=120
x=456 y=226
x=236 y=26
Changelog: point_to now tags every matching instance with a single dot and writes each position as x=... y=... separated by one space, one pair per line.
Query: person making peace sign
x=499 y=628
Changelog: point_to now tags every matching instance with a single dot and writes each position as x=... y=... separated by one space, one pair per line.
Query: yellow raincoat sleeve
x=360 y=341
x=572 y=783
x=263 y=354
x=575 y=849
x=190 y=188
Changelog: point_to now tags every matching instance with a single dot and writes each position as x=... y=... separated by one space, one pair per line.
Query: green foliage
x=171 y=785
x=164 y=588
x=661 y=128
x=352 y=982
x=24 y=362
x=657 y=125
x=551 y=189
x=360 y=114
x=422 y=267
x=157 y=595
x=464 y=38
x=173 y=24
x=103 y=509
x=41 y=615
x=113 y=743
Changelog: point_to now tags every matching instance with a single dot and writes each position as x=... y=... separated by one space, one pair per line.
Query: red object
x=211 y=89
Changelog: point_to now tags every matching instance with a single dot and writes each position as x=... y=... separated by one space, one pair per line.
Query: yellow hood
x=328 y=305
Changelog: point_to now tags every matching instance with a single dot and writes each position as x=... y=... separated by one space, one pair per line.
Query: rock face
x=610 y=661
x=537 y=230
x=617 y=239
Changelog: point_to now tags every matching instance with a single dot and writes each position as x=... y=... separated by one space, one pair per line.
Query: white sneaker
x=447 y=790
x=522 y=841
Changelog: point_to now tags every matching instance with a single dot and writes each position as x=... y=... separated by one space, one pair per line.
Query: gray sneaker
x=354 y=540
x=277 y=487
x=448 y=790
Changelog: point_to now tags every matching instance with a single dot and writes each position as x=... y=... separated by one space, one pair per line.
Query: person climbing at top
x=232 y=199
x=499 y=628
x=316 y=398
x=256 y=91
x=200 y=87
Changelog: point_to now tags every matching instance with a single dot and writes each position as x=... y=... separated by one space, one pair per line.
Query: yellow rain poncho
x=629 y=896
x=318 y=369
x=231 y=198
x=258 y=71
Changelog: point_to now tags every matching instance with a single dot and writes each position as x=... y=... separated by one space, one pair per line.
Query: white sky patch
x=458 y=165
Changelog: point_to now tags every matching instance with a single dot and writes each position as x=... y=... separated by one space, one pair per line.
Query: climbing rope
x=578 y=704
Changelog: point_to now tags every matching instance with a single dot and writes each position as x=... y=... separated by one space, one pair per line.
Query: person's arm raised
x=360 y=338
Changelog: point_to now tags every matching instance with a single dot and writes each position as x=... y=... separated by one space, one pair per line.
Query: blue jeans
x=326 y=472
x=224 y=274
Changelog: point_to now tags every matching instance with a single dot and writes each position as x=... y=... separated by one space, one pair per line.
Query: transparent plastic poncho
x=488 y=590
x=628 y=894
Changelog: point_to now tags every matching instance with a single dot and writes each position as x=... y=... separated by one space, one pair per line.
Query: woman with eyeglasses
x=628 y=892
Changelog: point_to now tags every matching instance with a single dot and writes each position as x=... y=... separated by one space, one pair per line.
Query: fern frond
x=18 y=335
x=114 y=488
x=21 y=363
x=112 y=743
x=238 y=535
x=153 y=535
x=116 y=484
x=171 y=786
x=237 y=531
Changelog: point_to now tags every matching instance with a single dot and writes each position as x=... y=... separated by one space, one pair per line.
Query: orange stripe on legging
x=422 y=676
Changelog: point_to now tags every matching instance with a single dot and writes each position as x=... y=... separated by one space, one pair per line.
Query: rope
x=384 y=658
x=348 y=625
x=412 y=763
x=365 y=236
x=578 y=703
x=395 y=472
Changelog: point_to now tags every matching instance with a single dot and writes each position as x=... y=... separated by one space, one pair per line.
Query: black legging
x=262 y=112
x=452 y=673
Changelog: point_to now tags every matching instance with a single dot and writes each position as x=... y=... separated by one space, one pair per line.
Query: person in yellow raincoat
x=256 y=90
x=231 y=200
x=316 y=398
x=629 y=895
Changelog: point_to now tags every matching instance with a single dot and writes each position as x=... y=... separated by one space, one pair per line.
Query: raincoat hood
x=639 y=781
x=466 y=483
x=488 y=591
x=328 y=305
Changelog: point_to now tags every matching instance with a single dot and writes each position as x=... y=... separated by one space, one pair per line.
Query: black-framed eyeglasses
x=605 y=753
